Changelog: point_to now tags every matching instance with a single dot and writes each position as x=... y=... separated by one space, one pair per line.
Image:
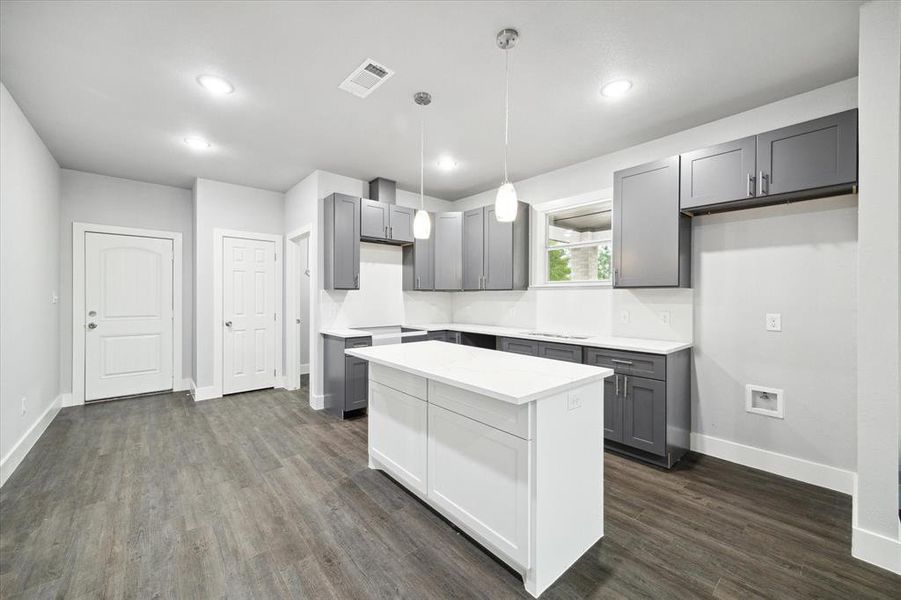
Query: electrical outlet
x=624 y=316
x=54 y=298
x=573 y=401
x=774 y=322
x=664 y=317
x=24 y=408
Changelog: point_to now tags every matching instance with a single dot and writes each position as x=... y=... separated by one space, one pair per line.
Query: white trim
x=292 y=270
x=569 y=285
x=778 y=413
x=20 y=449
x=183 y=384
x=799 y=469
x=304 y=369
x=218 y=236
x=66 y=400
x=317 y=401
x=872 y=547
x=78 y=232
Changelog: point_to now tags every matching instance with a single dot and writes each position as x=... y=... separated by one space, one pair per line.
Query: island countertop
x=508 y=377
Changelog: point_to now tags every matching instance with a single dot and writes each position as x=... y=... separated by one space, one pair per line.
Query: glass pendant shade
x=422 y=225
x=506 y=203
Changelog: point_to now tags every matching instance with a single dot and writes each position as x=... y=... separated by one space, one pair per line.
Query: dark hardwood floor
x=257 y=496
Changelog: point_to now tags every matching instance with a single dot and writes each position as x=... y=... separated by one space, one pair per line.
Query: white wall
x=220 y=205
x=734 y=254
x=876 y=534
x=103 y=200
x=29 y=272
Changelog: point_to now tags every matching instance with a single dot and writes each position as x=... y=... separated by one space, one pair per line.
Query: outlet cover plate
x=774 y=321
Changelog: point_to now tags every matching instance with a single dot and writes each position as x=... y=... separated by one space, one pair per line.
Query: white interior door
x=128 y=315
x=248 y=310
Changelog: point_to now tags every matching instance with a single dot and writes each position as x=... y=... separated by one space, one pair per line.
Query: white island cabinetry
x=507 y=447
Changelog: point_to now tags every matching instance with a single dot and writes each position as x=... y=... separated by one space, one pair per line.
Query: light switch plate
x=774 y=322
x=624 y=316
x=664 y=317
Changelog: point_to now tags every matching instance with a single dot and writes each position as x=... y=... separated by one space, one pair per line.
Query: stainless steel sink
x=561 y=336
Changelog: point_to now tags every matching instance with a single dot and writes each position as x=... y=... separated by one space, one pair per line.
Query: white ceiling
x=110 y=87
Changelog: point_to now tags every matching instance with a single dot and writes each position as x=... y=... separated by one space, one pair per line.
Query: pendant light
x=506 y=202
x=422 y=224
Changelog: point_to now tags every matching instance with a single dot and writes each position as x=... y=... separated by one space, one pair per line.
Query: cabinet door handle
x=764 y=183
x=616 y=378
x=357 y=280
x=391 y=232
x=625 y=385
x=750 y=184
x=619 y=361
x=417 y=281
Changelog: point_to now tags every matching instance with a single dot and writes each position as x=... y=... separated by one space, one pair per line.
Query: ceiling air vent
x=366 y=78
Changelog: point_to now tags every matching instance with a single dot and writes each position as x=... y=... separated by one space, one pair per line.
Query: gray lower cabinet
x=495 y=254
x=346 y=378
x=448 y=231
x=383 y=222
x=815 y=154
x=647 y=403
x=341 y=223
x=721 y=173
x=652 y=238
x=452 y=337
x=517 y=346
x=565 y=352
x=419 y=264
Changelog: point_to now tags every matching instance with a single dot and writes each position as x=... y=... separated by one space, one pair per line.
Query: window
x=579 y=244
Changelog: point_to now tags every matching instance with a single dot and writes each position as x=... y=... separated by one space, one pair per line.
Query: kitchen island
x=510 y=448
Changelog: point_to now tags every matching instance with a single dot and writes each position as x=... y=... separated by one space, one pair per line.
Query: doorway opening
x=300 y=333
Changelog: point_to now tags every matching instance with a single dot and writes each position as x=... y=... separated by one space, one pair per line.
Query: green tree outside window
x=604 y=263
x=558 y=265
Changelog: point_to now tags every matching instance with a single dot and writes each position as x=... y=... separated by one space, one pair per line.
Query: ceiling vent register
x=366 y=78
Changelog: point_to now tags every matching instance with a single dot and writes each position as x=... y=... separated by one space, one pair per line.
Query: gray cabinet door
x=498 y=248
x=356 y=383
x=721 y=173
x=613 y=409
x=518 y=346
x=454 y=337
x=424 y=263
x=565 y=352
x=374 y=219
x=644 y=414
x=400 y=223
x=473 y=248
x=646 y=227
x=818 y=153
x=448 y=251
x=346 y=243
x=438 y=336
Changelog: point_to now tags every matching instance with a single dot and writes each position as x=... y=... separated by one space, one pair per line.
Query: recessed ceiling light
x=616 y=88
x=215 y=85
x=197 y=143
x=446 y=163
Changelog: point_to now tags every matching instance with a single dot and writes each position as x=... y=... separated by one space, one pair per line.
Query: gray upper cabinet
x=341 y=242
x=419 y=263
x=473 y=248
x=383 y=222
x=495 y=255
x=814 y=154
x=448 y=232
x=373 y=219
x=400 y=223
x=652 y=239
x=721 y=173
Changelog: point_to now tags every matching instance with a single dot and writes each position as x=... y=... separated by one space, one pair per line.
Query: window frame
x=540 y=238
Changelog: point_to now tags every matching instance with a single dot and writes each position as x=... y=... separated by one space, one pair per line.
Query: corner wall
x=29 y=271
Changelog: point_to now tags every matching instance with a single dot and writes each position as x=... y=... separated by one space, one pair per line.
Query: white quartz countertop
x=611 y=342
x=512 y=378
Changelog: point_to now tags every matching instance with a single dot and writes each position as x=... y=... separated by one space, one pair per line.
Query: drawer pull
x=620 y=362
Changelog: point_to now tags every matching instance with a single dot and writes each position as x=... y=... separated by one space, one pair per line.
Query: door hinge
x=273 y=372
x=274 y=317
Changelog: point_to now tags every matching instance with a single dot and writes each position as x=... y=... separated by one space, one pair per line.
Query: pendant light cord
x=421 y=160
x=506 y=110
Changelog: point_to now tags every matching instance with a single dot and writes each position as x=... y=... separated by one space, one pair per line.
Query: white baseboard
x=305 y=369
x=67 y=400
x=183 y=384
x=21 y=448
x=872 y=547
x=799 y=469
x=203 y=393
x=317 y=401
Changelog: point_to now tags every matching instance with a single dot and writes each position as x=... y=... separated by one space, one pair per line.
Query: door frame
x=79 y=230
x=218 y=237
x=292 y=284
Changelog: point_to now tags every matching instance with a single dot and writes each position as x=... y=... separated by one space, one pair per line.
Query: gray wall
x=29 y=270
x=92 y=198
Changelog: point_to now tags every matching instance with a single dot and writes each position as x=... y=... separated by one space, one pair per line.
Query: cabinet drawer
x=565 y=352
x=507 y=417
x=453 y=337
x=414 y=385
x=440 y=336
x=518 y=346
x=479 y=477
x=364 y=342
x=652 y=366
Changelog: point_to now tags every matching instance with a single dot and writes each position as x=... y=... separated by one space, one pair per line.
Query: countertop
x=611 y=342
x=508 y=377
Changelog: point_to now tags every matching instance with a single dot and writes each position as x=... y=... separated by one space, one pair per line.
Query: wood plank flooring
x=258 y=496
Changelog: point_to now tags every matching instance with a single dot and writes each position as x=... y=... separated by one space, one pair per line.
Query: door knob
x=228 y=323
x=297 y=321
x=92 y=325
